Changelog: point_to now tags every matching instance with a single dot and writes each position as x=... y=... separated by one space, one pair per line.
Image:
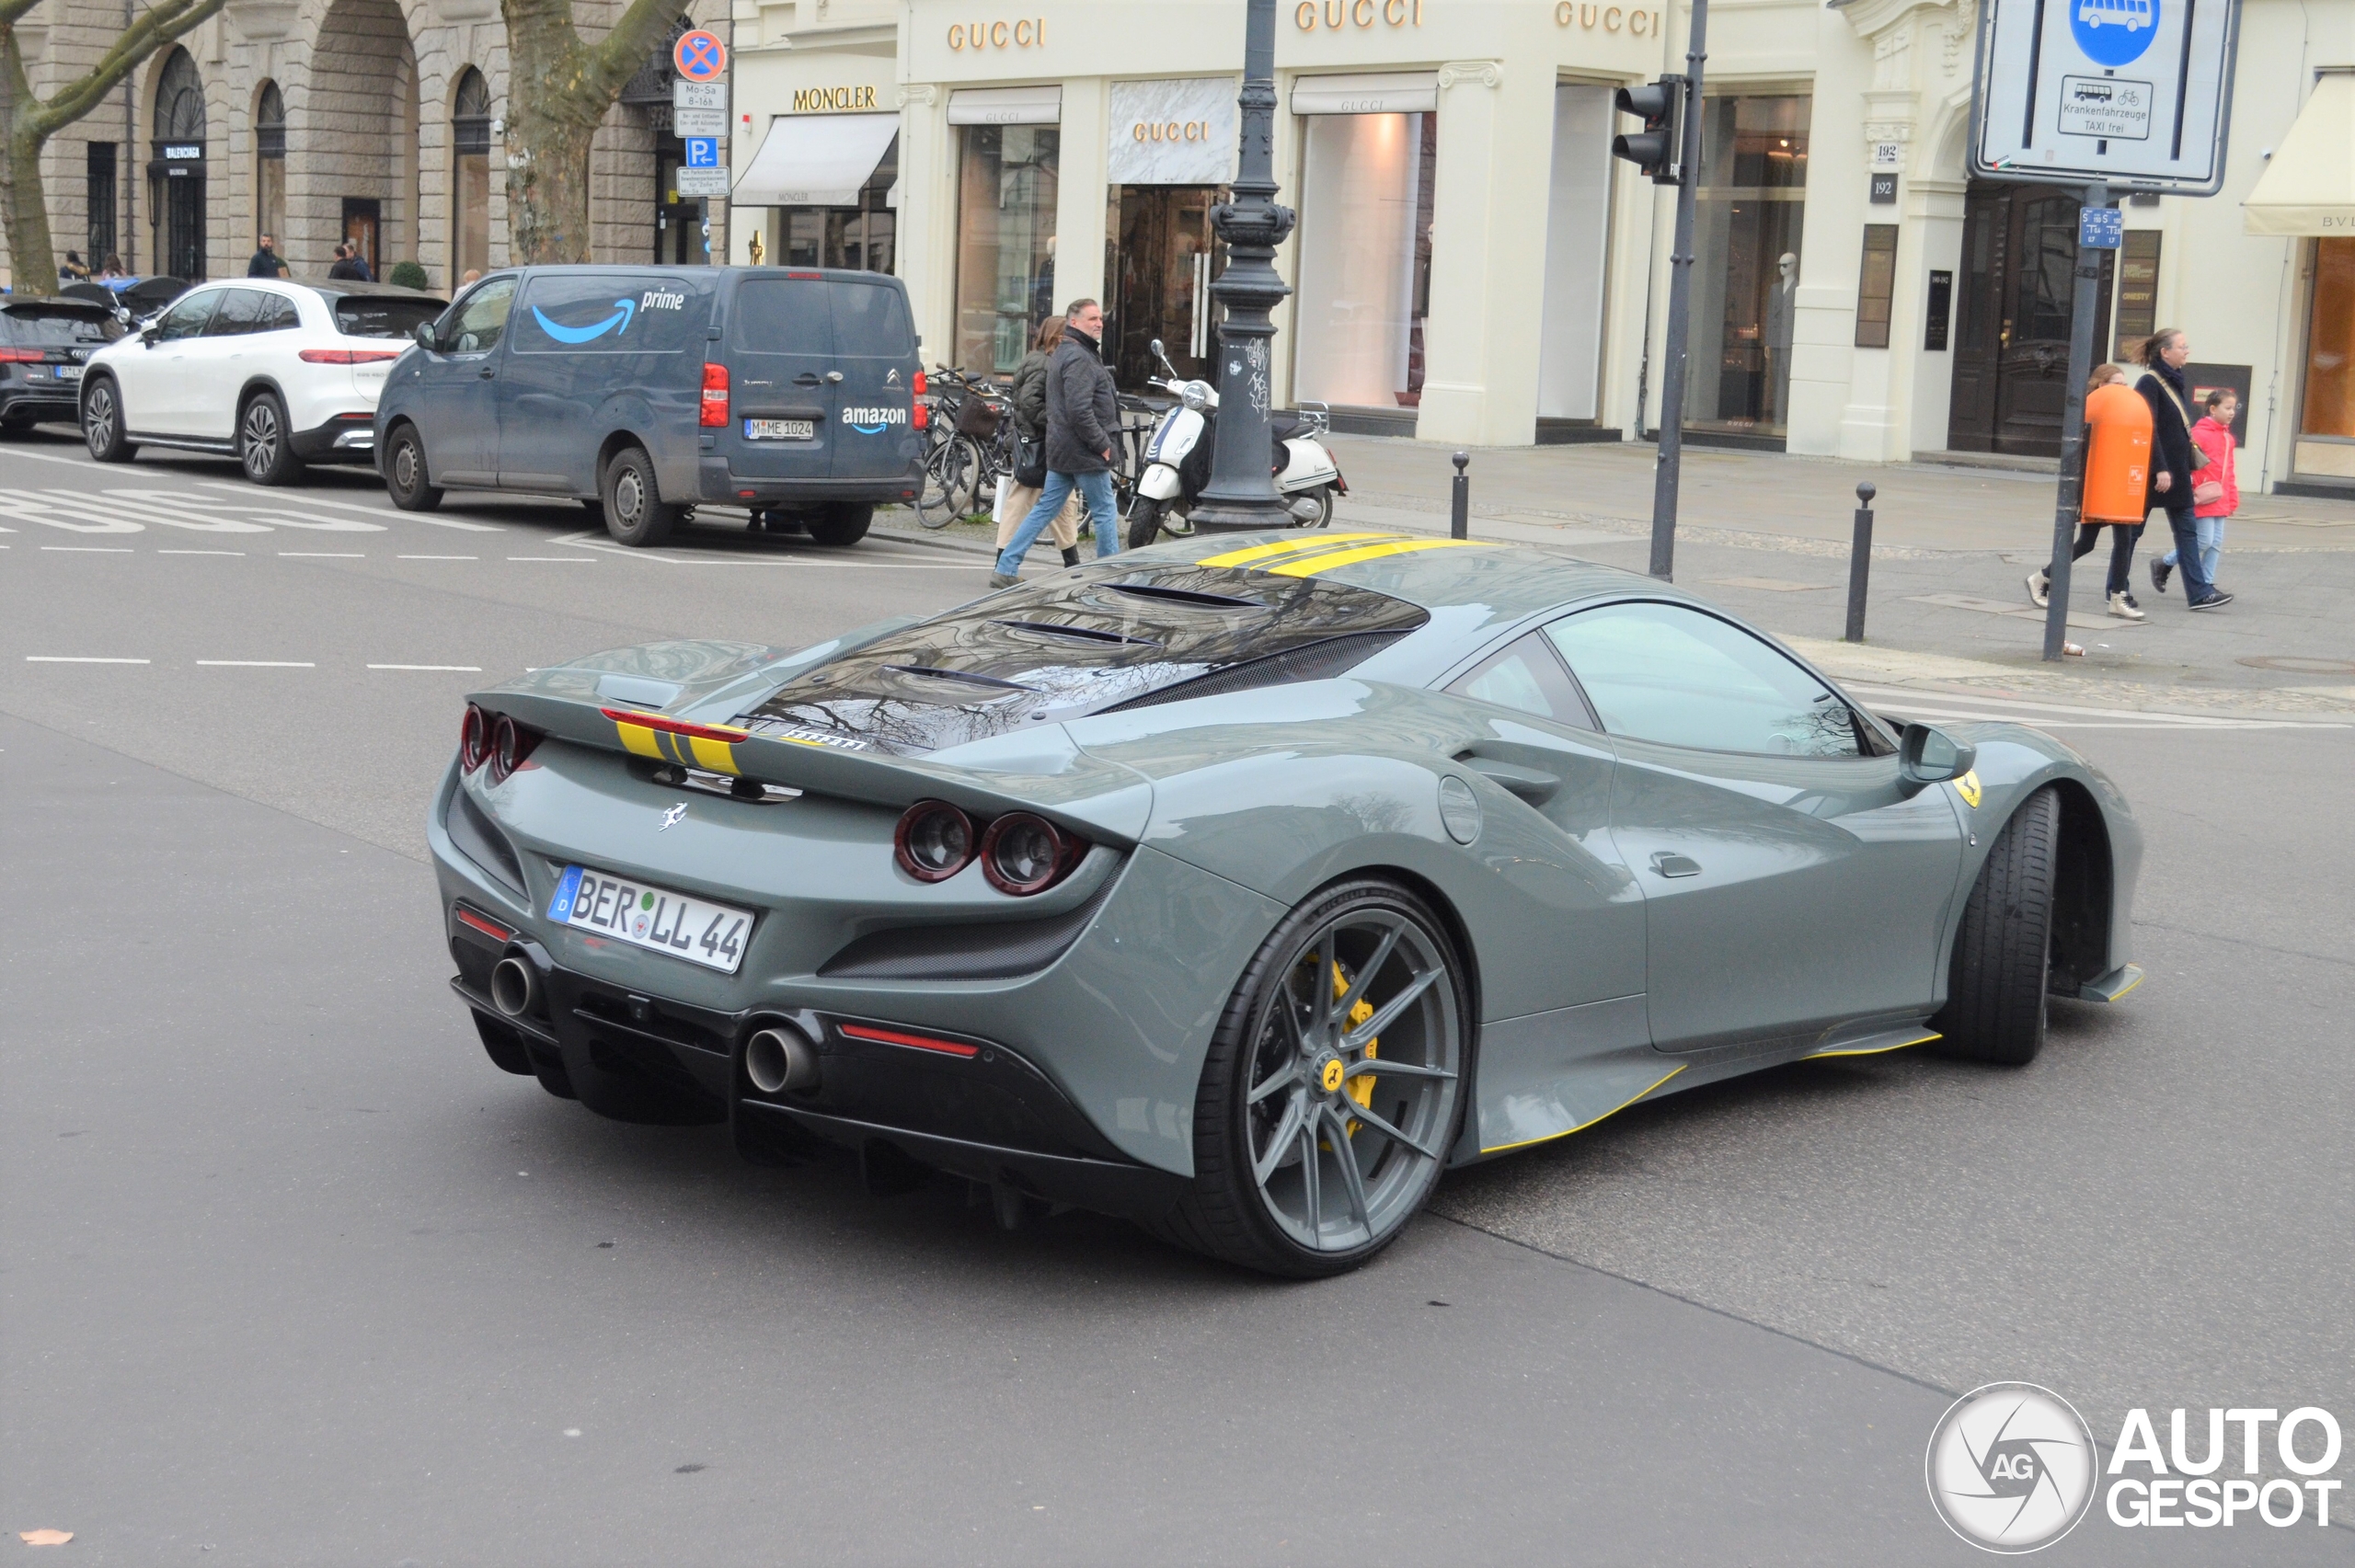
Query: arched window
x=470 y=171
x=270 y=165
x=179 y=206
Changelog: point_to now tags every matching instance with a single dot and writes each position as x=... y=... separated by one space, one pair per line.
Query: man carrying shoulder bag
x=1021 y=491
x=1083 y=415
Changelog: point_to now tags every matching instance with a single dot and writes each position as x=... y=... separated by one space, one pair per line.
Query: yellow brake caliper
x=1361 y=1089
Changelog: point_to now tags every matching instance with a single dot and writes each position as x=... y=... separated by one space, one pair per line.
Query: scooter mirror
x=1158 y=351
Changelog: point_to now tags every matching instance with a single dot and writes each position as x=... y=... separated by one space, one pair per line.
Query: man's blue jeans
x=2211 y=532
x=1094 y=490
x=2197 y=588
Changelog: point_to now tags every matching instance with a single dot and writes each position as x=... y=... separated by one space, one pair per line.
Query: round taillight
x=473 y=738
x=508 y=748
x=933 y=841
x=1022 y=854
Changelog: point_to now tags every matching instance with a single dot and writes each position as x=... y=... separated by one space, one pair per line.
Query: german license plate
x=695 y=929
x=69 y=373
x=780 y=430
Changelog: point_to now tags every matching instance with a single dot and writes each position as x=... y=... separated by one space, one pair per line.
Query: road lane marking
x=200 y=552
x=91 y=549
x=453 y=669
x=584 y=560
x=75 y=659
x=327 y=554
x=259 y=663
x=436 y=557
x=310 y=500
x=167 y=501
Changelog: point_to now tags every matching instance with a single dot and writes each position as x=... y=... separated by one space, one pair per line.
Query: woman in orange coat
x=2122 y=538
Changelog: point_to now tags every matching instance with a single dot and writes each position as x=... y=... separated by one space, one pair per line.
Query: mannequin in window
x=1779 y=302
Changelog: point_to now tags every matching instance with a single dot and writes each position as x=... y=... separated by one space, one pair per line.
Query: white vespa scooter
x=1308 y=483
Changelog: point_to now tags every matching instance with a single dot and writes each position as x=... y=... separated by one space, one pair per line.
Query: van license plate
x=780 y=430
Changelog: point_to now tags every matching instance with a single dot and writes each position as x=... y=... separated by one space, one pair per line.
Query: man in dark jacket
x=1083 y=422
x=265 y=262
x=351 y=266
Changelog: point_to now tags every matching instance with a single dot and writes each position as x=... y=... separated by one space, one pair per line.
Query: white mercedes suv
x=277 y=374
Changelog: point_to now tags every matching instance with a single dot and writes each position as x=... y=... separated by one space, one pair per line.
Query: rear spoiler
x=1039 y=768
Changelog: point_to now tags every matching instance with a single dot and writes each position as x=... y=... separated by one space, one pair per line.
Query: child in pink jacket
x=2213 y=435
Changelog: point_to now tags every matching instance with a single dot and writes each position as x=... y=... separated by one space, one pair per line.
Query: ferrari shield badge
x=1965 y=786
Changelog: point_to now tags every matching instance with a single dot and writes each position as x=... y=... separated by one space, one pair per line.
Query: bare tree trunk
x=558 y=90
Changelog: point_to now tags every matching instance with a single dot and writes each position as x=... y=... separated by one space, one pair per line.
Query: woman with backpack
x=2175 y=459
x=2216 y=492
x=1030 y=449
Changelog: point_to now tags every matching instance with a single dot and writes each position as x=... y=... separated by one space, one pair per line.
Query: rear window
x=784 y=315
x=377 y=315
x=46 y=327
x=871 y=322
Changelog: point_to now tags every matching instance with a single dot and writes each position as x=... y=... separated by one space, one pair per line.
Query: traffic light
x=1658 y=148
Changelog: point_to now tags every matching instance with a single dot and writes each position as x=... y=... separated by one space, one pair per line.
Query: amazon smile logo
x=624 y=310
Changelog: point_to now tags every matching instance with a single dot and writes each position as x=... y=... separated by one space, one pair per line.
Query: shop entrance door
x=1163 y=258
x=2010 y=361
x=364 y=227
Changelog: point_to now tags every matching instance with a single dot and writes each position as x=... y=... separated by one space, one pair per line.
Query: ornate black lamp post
x=1242 y=491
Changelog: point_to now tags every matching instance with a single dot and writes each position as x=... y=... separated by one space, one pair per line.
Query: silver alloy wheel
x=98 y=419
x=1366 y=1008
x=258 y=449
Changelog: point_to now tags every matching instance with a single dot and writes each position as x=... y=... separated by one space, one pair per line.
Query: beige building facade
x=1472 y=266
x=319 y=121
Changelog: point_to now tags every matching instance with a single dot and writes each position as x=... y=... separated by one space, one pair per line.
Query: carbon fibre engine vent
x=1317 y=661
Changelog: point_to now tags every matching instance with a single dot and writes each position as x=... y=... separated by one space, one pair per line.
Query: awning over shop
x=1389 y=91
x=2309 y=187
x=815 y=160
x=1007 y=106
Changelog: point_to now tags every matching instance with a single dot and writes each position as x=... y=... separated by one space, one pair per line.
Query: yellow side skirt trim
x=1875 y=1050
x=1613 y=1111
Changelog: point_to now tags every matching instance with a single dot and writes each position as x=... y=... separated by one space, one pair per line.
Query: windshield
x=52 y=328
x=384 y=315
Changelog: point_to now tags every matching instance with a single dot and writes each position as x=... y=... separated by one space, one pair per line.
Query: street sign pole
x=2069 y=495
x=1680 y=299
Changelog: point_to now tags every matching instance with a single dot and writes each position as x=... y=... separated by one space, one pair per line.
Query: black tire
x=620 y=1088
x=1284 y=1027
x=103 y=428
x=2003 y=950
x=841 y=524
x=265 y=443
x=1144 y=522
x=408 y=479
x=636 y=514
x=508 y=1051
x=951 y=474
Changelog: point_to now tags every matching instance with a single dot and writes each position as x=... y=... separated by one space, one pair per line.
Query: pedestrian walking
x=2175 y=459
x=2123 y=537
x=349 y=267
x=264 y=262
x=1030 y=451
x=1083 y=412
x=2213 y=498
x=72 y=270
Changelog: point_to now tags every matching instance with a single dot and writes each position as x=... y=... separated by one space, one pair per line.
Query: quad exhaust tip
x=779 y=1059
x=514 y=986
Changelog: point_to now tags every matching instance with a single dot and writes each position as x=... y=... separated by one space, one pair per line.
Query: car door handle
x=485 y=372
x=811 y=378
x=1668 y=863
x=1530 y=783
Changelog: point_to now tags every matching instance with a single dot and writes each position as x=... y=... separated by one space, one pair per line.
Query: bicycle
x=966 y=422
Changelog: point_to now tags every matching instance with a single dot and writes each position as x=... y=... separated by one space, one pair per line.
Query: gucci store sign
x=1173 y=133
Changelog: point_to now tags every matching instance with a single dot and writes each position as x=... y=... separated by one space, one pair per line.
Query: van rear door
x=781 y=405
x=874 y=349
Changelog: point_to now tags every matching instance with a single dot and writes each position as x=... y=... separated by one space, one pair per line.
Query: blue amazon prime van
x=646 y=391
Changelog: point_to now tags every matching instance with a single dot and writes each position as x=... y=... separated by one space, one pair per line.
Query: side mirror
x=425 y=336
x=1927 y=755
x=148 y=335
x=1158 y=351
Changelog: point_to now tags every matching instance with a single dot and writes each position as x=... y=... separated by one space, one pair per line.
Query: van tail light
x=715 y=397
x=922 y=414
x=346 y=356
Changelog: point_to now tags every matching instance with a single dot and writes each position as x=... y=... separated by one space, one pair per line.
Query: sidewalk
x=1767 y=535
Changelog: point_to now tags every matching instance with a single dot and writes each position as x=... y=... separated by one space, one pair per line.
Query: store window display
x=1006 y=185
x=1749 y=210
x=1365 y=258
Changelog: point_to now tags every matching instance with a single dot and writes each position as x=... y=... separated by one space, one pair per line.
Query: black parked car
x=43 y=344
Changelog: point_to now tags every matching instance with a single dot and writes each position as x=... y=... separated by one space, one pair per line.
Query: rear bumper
x=60 y=402
x=989 y=1116
x=715 y=483
x=346 y=438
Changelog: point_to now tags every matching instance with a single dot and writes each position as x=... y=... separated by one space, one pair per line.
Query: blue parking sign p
x=703 y=152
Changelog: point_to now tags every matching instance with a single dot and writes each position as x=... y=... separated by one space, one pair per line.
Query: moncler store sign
x=1173 y=133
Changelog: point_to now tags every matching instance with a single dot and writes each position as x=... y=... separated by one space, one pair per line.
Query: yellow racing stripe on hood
x=1286 y=547
x=1317 y=564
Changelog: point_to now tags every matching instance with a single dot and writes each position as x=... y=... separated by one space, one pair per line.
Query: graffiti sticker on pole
x=700 y=56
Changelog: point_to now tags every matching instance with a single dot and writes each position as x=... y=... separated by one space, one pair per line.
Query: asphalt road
x=289 y=1274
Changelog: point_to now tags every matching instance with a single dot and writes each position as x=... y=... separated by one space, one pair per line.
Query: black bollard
x=1860 y=561
x=1459 y=521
